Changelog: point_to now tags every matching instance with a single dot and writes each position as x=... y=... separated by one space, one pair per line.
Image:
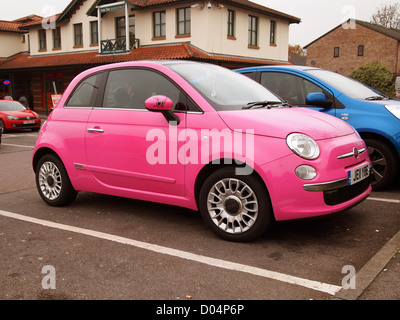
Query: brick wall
x=377 y=47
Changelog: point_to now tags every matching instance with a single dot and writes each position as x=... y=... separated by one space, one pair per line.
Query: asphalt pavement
x=377 y=277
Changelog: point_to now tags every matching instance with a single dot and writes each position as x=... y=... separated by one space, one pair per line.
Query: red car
x=14 y=116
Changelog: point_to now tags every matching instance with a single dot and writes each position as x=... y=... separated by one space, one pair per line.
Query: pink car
x=202 y=137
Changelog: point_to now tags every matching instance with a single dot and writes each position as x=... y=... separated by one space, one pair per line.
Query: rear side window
x=85 y=93
x=130 y=88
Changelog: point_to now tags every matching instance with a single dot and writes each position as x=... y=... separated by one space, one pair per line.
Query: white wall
x=208 y=32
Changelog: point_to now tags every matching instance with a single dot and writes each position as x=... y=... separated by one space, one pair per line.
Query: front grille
x=26 y=125
x=337 y=196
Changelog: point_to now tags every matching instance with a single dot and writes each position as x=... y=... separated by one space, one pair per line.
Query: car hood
x=280 y=122
x=20 y=114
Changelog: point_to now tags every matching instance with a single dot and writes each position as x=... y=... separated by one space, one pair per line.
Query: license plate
x=358 y=174
x=29 y=122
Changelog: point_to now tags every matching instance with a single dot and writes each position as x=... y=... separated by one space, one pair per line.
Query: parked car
x=372 y=114
x=14 y=116
x=202 y=137
x=1 y=132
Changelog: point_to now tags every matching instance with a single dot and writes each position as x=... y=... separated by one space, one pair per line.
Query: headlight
x=12 y=118
x=395 y=110
x=303 y=146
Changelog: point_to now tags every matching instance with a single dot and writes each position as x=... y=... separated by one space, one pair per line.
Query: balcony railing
x=118 y=45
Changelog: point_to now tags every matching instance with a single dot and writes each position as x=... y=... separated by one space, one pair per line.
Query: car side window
x=130 y=88
x=292 y=88
x=85 y=93
x=287 y=86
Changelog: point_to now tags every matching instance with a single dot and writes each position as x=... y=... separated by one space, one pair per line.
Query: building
x=87 y=33
x=353 y=44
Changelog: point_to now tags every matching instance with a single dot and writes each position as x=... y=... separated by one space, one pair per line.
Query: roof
x=182 y=51
x=10 y=26
x=392 y=33
x=245 y=4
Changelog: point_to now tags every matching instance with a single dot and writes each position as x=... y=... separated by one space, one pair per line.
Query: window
x=272 y=32
x=336 y=52
x=253 y=26
x=42 y=39
x=120 y=28
x=130 y=88
x=57 y=38
x=183 y=21
x=85 y=93
x=94 y=38
x=159 y=24
x=360 y=50
x=291 y=88
x=78 y=36
x=231 y=23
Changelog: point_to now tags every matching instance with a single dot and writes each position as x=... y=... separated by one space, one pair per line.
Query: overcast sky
x=318 y=16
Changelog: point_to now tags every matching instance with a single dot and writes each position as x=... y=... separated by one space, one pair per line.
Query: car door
x=295 y=89
x=131 y=150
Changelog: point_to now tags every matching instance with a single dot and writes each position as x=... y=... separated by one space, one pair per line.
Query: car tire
x=383 y=163
x=53 y=183
x=2 y=126
x=235 y=208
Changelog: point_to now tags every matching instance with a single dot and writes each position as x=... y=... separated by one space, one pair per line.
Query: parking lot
x=103 y=247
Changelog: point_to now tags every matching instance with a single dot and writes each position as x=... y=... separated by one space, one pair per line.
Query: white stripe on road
x=16 y=145
x=383 y=200
x=314 y=285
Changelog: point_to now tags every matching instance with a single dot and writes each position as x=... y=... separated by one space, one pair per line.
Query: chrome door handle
x=95 y=130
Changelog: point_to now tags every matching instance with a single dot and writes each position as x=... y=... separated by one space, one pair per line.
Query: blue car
x=372 y=114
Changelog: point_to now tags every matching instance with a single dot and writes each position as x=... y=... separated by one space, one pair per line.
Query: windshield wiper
x=372 y=98
x=265 y=103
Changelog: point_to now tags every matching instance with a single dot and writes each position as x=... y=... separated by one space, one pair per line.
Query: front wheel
x=53 y=183
x=236 y=208
x=383 y=162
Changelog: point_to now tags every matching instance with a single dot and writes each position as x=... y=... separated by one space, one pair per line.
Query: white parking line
x=314 y=285
x=16 y=145
x=383 y=200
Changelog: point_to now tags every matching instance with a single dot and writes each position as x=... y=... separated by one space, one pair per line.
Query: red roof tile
x=178 y=51
x=10 y=26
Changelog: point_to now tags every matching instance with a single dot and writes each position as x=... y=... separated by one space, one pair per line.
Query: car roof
x=290 y=67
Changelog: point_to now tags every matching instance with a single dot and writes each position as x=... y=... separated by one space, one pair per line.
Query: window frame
x=159 y=29
x=336 y=52
x=231 y=24
x=94 y=33
x=253 y=31
x=272 y=32
x=187 y=20
x=42 y=37
x=360 y=50
x=78 y=35
x=57 y=38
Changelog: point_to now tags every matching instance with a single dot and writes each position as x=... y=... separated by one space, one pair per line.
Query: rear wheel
x=52 y=181
x=236 y=208
x=383 y=163
x=2 y=126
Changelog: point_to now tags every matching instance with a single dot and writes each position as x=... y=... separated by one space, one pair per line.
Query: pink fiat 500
x=202 y=137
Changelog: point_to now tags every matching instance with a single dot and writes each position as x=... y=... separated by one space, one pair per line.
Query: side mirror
x=318 y=99
x=164 y=105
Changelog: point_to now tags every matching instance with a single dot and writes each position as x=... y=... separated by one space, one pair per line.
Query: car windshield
x=6 y=105
x=223 y=88
x=348 y=86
